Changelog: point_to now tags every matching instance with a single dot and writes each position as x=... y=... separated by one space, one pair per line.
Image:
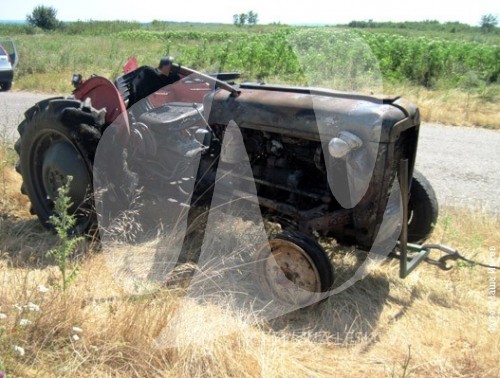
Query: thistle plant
x=63 y=222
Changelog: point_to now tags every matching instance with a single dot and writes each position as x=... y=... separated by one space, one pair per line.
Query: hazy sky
x=309 y=11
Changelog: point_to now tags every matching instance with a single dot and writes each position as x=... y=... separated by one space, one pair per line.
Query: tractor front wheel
x=423 y=209
x=294 y=269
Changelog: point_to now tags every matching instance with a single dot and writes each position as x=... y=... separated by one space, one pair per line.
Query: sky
x=284 y=11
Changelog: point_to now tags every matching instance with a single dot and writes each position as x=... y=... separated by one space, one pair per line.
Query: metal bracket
x=407 y=263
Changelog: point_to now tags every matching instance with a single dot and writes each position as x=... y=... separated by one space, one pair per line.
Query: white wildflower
x=77 y=330
x=43 y=289
x=3 y=316
x=18 y=349
x=75 y=337
x=33 y=307
x=25 y=322
x=18 y=308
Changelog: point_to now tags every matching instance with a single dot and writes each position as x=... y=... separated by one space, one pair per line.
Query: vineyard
x=419 y=60
x=290 y=55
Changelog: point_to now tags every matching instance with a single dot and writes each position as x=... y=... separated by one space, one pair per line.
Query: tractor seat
x=124 y=84
x=173 y=116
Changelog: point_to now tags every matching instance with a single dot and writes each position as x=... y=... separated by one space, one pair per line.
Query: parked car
x=8 y=62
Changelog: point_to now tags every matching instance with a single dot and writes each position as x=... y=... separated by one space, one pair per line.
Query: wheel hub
x=55 y=181
x=290 y=274
x=61 y=160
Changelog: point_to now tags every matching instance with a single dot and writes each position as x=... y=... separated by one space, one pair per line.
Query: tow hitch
x=407 y=263
x=411 y=255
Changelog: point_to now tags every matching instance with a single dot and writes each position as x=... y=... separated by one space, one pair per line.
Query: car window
x=4 y=55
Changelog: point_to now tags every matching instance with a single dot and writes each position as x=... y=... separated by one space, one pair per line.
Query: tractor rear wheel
x=58 y=138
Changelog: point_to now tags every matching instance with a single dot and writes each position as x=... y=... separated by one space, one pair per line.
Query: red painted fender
x=104 y=95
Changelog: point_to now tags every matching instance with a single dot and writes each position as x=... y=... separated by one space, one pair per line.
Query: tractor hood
x=312 y=113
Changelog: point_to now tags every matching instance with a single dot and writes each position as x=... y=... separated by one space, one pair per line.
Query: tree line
x=487 y=24
x=45 y=17
x=250 y=18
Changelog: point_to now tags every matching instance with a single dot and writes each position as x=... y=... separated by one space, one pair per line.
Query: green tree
x=488 y=22
x=44 y=18
x=243 y=18
x=252 y=17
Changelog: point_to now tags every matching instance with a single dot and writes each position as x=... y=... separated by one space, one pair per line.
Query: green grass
x=284 y=54
x=454 y=31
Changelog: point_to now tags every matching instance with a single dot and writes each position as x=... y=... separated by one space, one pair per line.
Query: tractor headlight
x=344 y=143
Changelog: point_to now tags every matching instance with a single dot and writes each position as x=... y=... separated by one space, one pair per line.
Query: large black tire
x=58 y=138
x=303 y=262
x=6 y=86
x=423 y=209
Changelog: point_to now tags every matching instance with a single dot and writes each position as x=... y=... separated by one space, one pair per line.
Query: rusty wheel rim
x=288 y=273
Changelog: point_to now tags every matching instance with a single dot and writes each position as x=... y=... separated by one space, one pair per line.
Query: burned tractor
x=322 y=162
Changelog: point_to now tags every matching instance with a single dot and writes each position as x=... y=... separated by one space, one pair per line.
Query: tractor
x=323 y=163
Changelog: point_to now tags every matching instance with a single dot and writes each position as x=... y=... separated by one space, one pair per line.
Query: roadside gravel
x=463 y=165
x=12 y=108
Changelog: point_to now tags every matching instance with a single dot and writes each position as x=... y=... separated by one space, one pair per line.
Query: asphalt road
x=462 y=163
x=12 y=108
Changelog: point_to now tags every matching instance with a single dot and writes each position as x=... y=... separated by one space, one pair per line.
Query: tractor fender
x=104 y=95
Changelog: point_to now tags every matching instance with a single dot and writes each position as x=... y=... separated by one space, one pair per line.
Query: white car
x=8 y=61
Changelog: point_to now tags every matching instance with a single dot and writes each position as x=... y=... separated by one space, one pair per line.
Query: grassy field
x=433 y=323
x=452 y=78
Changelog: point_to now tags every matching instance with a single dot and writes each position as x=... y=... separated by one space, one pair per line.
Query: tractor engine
x=289 y=170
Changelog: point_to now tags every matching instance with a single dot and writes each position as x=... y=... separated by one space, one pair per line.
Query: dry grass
x=455 y=106
x=435 y=323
